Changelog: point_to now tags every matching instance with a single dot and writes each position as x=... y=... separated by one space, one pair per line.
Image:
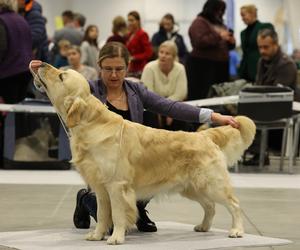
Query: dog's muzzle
x=39 y=84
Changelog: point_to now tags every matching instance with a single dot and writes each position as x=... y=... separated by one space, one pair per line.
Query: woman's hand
x=224 y=120
x=227 y=36
x=34 y=65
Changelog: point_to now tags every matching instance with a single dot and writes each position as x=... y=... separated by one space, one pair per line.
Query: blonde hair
x=171 y=45
x=11 y=5
x=250 y=8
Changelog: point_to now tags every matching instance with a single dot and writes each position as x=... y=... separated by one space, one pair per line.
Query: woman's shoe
x=81 y=217
x=144 y=224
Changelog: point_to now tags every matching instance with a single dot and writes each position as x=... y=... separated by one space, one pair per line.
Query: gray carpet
x=170 y=236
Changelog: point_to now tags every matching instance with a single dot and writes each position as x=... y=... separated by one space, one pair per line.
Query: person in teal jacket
x=248 y=66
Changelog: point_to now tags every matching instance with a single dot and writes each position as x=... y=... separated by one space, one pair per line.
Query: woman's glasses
x=116 y=70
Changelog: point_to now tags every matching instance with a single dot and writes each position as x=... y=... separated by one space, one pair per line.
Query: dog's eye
x=61 y=77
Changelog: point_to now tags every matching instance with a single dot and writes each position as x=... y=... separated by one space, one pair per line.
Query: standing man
x=251 y=55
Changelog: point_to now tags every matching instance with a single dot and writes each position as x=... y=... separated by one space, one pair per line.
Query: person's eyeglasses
x=110 y=70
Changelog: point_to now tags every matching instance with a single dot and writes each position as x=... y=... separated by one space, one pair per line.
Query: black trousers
x=90 y=203
x=13 y=89
x=202 y=73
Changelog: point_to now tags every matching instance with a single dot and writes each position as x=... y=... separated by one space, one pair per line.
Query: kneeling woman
x=129 y=99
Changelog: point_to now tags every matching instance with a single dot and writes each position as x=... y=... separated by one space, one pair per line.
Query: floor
x=32 y=200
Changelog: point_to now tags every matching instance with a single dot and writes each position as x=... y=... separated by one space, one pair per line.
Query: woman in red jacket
x=138 y=44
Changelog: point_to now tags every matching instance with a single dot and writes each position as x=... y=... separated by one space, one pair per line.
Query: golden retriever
x=123 y=161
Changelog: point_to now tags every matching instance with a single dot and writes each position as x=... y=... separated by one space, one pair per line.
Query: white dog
x=123 y=161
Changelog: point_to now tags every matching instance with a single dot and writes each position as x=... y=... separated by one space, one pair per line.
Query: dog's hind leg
x=233 y=206
x=209 y=212
x=208 y=206
x=224 y=195
x=104 y=222
x=123 y=204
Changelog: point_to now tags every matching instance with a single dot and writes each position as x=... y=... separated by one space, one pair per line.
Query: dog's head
x=67 y=90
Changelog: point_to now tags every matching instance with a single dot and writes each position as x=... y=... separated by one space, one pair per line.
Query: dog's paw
x=94 y=236
x=201 y=228
x=236 y=233
x=115 y=240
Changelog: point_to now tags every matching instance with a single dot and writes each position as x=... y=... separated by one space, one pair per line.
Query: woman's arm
x=180 y=110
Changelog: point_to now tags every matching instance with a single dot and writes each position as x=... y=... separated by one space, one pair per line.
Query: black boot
x=81 y=217
x=144 y=224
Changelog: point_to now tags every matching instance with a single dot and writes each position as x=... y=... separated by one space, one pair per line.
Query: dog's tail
x=233 y=142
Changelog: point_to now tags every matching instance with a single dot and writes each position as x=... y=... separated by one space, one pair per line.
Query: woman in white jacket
x=165 y=76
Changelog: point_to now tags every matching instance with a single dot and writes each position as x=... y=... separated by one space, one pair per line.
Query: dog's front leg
x=123 y=204
x=104 y=220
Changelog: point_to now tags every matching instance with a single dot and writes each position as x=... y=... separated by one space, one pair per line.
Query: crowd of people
x=167 y=72
x=208 y=62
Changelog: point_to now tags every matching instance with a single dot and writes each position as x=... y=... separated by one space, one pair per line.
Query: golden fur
x=123 y=161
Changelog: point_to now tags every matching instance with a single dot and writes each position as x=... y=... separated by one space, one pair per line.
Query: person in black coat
x=168 y=31
x=32 y=12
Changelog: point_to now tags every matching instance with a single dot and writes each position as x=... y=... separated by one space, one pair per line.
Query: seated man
x=274 y=67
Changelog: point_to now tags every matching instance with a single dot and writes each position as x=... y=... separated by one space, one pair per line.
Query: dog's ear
x=75 y=108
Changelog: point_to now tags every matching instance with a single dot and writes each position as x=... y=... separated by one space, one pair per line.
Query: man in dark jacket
x=250 y=50
x=32 y=12
x=274 y=67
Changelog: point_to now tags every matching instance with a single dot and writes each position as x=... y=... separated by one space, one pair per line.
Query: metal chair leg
x=291 y=151
x=296 y=139
x=283 y=146
x=263 y=145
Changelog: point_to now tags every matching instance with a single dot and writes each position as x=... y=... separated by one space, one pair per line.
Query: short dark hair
x=69 y=14
x=269 y=32
x=114 y=49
